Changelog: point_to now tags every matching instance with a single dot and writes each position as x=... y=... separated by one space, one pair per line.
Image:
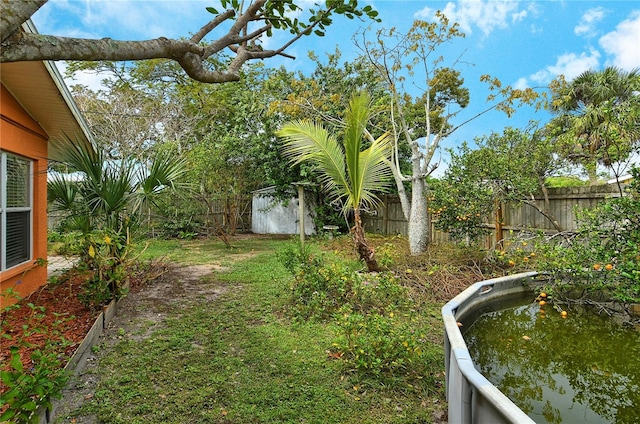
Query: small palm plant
x=105 y=202
x=109 y=194
x=348 y=171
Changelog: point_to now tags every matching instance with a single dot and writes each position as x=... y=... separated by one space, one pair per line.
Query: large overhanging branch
x=15 y=13
x=192 y=54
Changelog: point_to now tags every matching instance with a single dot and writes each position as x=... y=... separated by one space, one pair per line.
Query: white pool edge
x=471 y=397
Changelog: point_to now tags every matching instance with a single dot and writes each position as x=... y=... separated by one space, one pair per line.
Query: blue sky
x=524 y=43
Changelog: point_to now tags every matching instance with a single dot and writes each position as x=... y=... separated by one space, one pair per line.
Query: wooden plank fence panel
x=388 y=219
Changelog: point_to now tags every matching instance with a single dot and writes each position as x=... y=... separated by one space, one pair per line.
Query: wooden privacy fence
x=388 y=218
x=232 y=215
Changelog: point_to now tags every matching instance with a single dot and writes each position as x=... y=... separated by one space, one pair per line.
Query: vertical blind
x=15 y=231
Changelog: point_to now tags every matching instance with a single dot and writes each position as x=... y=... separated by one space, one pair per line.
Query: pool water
x=584 y=368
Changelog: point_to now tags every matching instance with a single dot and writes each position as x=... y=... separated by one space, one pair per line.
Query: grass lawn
x=240 y=358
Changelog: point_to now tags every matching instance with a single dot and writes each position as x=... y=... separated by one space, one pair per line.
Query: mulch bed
x=52 y=312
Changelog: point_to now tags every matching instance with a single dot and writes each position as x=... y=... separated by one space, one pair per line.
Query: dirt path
x=139 y=314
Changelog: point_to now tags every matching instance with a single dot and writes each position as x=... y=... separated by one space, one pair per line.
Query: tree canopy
x=598 y=118
x=239 y=29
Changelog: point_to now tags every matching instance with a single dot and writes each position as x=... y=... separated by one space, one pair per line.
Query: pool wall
x=471 y=397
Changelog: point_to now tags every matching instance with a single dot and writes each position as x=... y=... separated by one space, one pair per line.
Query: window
x=15 y=210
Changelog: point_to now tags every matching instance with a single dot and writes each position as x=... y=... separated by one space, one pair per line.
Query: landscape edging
x=76 y=362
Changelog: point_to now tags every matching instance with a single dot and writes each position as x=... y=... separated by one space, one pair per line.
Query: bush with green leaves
x=319 y=288
x=107 y=254
x=604 y=255
x=383 y=346
x=29 y=388
x=106 y=205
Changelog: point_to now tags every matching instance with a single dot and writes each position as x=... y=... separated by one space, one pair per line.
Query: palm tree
x=107 y=199
x=599 y=116
x=348 y=171
x=109 y=194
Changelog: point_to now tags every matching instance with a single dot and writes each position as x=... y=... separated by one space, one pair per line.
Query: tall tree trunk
x=365 y=252
x=419 y=225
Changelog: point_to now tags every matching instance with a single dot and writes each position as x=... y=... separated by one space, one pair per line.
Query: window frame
x=4 y=210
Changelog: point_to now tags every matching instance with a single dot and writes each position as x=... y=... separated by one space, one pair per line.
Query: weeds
x=377 y=334
x=28 y=389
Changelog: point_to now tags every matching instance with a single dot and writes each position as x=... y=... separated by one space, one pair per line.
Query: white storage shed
x=271 y=216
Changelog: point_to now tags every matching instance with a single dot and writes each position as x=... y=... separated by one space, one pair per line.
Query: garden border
x=78 y=360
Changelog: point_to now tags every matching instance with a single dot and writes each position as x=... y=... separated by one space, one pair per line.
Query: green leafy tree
x=604 y=254
x=598 y=118
x=225 y=132
x=350 y=173
x=243 y=25
x=421 y=123
x=505 y=168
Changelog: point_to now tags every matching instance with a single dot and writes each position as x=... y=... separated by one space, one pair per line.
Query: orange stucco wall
x=21 y=135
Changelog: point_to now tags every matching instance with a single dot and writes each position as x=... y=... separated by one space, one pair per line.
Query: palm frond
x=62 y=193
x=356 y=119
x=375 y=173
x=346 y=172
x=307 y=141
x=84 y=158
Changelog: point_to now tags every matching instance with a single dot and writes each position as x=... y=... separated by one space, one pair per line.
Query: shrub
x=383 y=346
x=106 y=253
x=25 y=388
x=319 y=289
x=605 y=252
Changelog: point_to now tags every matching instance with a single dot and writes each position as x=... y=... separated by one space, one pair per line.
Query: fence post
x=301 y=211
x=385 y=216
x=499 y=223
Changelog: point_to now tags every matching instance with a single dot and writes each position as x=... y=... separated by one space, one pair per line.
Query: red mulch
x=63 y=316
x=56 y=313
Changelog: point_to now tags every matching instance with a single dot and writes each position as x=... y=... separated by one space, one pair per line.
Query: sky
x=523 y=43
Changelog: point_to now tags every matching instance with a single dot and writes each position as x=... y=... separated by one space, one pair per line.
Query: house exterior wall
x=21 y=135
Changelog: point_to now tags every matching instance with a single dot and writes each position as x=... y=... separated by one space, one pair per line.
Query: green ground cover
x=244 y=358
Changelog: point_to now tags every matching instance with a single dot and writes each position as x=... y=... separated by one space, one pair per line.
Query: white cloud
x=624 y=43
x=89 y=79
x=521 y=84
x=536 y=30
x=517 y=17
x=570 y=65
x=487 y=15
x=586 y=26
